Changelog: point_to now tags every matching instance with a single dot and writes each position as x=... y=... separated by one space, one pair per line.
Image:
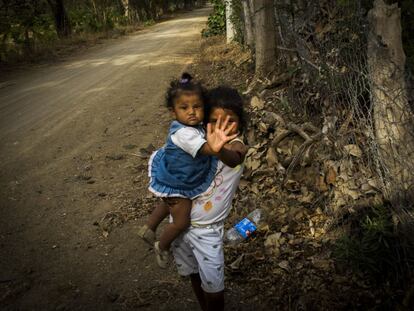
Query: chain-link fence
x=347 y=77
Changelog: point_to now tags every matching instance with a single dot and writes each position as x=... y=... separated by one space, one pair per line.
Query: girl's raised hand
x=218 y=137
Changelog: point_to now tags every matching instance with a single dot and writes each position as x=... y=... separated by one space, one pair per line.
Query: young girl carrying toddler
x=186 y=165
x=198 y=252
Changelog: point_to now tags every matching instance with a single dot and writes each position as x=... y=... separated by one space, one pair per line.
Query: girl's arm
x=233 y=154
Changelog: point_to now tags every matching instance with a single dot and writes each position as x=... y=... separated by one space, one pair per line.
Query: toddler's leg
x=159 y=213
x=147 y=231
x=180 y=210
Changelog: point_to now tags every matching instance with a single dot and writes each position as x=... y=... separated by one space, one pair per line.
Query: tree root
x=309 y=140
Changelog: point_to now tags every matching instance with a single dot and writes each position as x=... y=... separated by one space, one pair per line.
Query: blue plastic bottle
x=243 y=229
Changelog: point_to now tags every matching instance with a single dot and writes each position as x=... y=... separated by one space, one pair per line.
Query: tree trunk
x=229 y=24
x=248 y=24
x=265 y=37
x=252 y=16
x=188 y=5
x=28 y=44
x=62 y=22
x=154 y=10
x=125 y=4
x=393 y=118
x=165 y=6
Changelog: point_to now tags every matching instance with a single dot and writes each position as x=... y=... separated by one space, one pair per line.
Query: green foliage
x=84 y=20
x=372 y=248
x=216 y=24
x=24 y=25
x=149 y=22
x=237 y=20
x=28 y=27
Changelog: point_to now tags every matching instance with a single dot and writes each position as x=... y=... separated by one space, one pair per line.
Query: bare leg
x=207 y=301
x=214 y=301
x=159 y=213
x=180 y=210
x=198 y=291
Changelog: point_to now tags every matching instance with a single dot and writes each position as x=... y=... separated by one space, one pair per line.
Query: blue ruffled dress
x=175 y=173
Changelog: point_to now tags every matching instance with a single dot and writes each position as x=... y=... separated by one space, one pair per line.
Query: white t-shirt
x=190 y=139
x=214 y=205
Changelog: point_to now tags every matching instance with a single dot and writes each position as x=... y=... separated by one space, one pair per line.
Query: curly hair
x=226 y=98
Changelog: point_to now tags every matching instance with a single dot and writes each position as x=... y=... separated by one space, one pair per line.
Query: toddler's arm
x=192 y=141
x=189 y=139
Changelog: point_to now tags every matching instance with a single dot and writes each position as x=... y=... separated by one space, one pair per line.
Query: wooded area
x=27 y=27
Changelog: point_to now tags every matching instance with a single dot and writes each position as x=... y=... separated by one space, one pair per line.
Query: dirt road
x=67 y=134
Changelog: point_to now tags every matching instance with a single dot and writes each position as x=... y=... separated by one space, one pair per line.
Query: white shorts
x=200 y=251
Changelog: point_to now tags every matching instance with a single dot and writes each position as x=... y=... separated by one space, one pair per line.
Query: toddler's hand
x=218 y=137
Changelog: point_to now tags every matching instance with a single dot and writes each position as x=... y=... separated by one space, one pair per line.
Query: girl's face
x=234 y=118
x=188 y=109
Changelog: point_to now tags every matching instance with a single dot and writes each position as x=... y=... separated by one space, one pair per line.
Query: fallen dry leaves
x=306 y=177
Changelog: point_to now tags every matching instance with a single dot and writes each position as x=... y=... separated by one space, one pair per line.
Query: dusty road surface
x=68 y=133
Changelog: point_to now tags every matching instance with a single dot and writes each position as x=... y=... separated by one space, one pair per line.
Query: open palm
x=220 y=135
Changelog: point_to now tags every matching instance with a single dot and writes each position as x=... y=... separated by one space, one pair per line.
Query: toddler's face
x=188 y=109
x=234 y=118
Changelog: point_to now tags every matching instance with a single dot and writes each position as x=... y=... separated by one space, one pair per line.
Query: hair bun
x=185 y=78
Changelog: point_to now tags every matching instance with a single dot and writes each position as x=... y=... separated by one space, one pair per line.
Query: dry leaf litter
x=306 y=177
